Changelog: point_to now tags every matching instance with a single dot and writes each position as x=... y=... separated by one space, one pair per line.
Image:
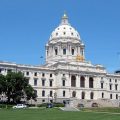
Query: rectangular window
x=0 y=70
x=116 y=96
x=50 y=75
x=35 y=74
x=43 y=74
x=43 y=93
x=116 y=87
x=63 y=93
x=56 y=51
x=115 y=80
x=35 y=82
x=101 y=85
x=51 y=94
x=102 y=95
x=63 y=82
x=72 y=51
x=27 y=73
x=64 y=51
x=43 y=82
x=50 y=83
x=110 y=87
x=110 y=96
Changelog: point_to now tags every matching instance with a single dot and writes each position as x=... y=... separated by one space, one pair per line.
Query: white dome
x=65 y=30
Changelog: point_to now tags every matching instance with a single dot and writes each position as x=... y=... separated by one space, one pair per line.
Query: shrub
x=58 y=104
x=42 y=105
x=54 y=105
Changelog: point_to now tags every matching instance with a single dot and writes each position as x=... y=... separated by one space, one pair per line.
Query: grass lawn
x=109 y=109
x=53 y=114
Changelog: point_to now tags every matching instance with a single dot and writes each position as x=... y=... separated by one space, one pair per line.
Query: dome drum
x=64 y=42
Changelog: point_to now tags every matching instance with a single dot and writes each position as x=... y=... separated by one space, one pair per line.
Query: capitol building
x=67 y=75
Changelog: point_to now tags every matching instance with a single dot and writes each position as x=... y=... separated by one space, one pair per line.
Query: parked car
x=20 y=106
x=49 y=105
x=94 y=105
x=80 y=105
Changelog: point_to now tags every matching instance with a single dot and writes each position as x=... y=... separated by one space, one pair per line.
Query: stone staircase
x=100 y=102
x=69 y=109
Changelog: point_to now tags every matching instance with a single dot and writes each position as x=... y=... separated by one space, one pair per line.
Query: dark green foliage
x=42 y=105
x=2 y=84
x=6 y=106
x=58 y=104
x=16 y=87
x=54 y=105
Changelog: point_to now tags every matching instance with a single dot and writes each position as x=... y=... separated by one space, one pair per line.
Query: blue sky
x=25 y=27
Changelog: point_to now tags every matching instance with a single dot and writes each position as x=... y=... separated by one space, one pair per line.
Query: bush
x=6 y=106
x=30 y=105
x=58 y=104
x=42 y=105
x=54 y=105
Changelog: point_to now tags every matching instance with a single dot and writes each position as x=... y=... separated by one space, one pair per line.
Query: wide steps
x=69 y=109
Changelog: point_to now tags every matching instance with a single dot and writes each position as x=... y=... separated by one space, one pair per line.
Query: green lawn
x=109 y=109
x=53 y=114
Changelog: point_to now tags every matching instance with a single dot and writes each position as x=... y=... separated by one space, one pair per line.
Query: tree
x=16 y=87
x=2 y=84
x=30 y=93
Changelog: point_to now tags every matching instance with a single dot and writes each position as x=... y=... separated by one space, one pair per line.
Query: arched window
x=72 y=51
x=90 y=82
x=83 y=95
x=64 y=51
x=91 y=95
x=56 y=51
x=43 y=93
x=82 y=81
x=73 y=94
x=73 y=81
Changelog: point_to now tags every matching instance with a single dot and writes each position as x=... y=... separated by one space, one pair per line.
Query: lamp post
x=48 y=98
x=55 y=97
x=52 y=99
x=119 y=100
x=41 y=57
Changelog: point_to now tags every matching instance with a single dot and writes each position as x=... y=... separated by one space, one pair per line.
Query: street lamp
x=119 y=100
x=48 y=98
x=41 y=57
x=55 y=97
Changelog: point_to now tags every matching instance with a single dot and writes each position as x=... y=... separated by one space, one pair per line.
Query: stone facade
x=66 y=75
